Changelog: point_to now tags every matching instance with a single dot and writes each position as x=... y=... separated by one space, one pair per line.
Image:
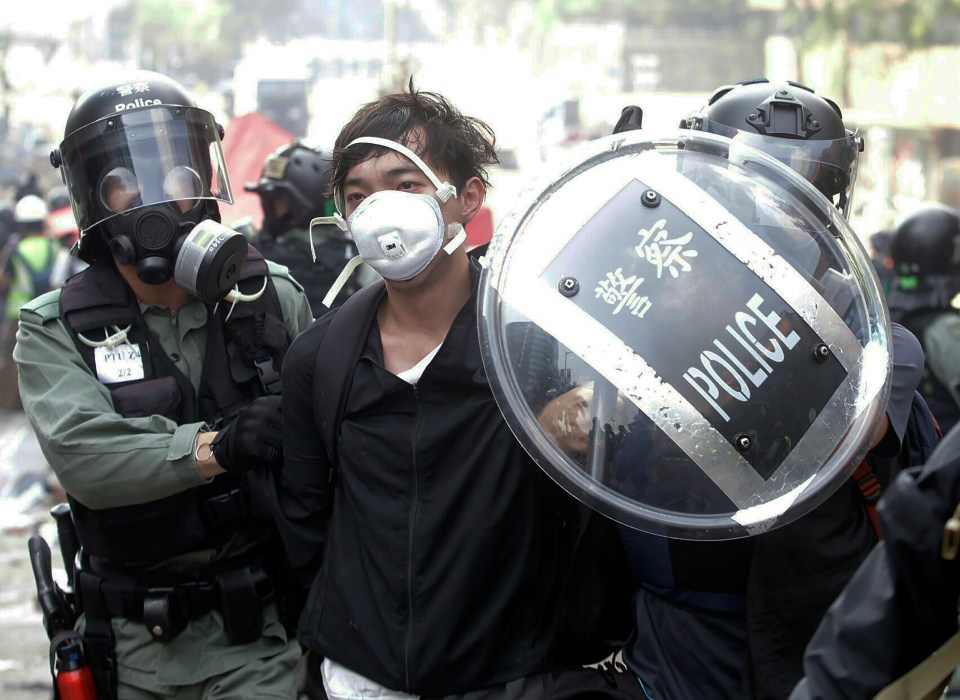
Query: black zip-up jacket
x=437 y=544
x=901 y=604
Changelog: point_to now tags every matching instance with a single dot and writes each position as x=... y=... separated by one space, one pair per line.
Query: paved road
x=24 y=506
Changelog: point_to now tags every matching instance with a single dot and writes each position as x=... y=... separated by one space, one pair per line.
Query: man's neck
x=167 y=294
x=415 y=319
x=432 y=305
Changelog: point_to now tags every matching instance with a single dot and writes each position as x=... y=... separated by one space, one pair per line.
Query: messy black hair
x=426 y=123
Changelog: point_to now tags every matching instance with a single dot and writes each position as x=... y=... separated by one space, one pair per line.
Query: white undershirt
x=412 y=375
x=341 y=683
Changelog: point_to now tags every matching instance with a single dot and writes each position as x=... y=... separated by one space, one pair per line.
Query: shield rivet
x=569 y=287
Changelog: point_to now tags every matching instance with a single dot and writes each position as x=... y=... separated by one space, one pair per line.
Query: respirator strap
x=341 y=280
x=458 y=239
x=336 y=220
x=444 y=189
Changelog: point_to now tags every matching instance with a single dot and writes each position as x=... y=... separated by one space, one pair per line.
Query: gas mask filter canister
x=210 y=260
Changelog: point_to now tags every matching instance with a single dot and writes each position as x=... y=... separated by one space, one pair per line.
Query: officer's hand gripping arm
x=252 y=438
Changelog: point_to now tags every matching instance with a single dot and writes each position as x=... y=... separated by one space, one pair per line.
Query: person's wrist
x=222 y=448
x=204 y=455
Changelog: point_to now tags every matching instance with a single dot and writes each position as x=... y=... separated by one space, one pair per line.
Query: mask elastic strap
x=235 y=295
x=341 y=280
x=336 y=220
x=444 y=189
x=459 y=237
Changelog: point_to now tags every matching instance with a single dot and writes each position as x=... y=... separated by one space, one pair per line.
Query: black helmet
x=927 y=243
x=143 y=165
x=299 y=176
x=794 y=125
x=926 y=259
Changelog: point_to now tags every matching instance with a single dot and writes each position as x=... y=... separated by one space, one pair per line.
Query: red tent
x=480 y=228
x=248 y=140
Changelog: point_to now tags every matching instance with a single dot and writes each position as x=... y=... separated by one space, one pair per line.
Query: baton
x=69 y=544
x=56 y=617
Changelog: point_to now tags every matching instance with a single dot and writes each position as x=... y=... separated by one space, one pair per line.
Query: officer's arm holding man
x=75 y=419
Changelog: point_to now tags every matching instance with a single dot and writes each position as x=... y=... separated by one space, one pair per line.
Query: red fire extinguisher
x=74 y=677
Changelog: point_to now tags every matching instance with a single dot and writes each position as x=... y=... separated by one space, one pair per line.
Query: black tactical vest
x=242 y=360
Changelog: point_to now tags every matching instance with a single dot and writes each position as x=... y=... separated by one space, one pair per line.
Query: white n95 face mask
x=397 y=233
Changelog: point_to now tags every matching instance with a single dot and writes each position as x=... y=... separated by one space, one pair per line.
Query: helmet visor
x=830 y=165
x=144 y=157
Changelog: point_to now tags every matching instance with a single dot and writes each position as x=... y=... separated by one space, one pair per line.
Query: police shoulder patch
x=47 y=306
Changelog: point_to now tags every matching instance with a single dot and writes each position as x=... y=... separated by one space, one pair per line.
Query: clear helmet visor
x=829 y=164
x=144 y=157
x=699 y=348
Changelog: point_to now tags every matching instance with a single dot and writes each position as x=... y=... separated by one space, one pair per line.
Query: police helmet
x=926 y=259
x=790 y=122
x=927 y=243
x=143 y=166
x=298 y=175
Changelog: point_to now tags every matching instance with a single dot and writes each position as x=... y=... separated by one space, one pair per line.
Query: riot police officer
x=781 y=606
x=293 y=190
x=926 y=256
x=151 y=380
x=734 y=615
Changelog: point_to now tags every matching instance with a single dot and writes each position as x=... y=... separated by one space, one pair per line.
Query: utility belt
x=166 y=602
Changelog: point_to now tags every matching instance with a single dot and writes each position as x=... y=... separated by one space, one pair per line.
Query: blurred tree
x=201 y=41
x=913 y=24
x=649 y=12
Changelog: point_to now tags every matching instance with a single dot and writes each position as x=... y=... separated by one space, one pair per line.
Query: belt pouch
x=242 y=616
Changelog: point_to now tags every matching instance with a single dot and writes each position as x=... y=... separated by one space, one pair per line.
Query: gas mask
x=178 y=238
x=397 y=233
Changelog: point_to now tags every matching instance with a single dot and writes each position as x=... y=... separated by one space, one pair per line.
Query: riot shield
x=685 y=334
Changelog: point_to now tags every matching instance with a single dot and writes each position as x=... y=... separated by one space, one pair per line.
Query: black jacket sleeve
x=901 y=605
x=305 y=485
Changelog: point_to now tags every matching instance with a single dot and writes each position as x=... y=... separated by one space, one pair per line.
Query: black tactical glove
x=252 y=438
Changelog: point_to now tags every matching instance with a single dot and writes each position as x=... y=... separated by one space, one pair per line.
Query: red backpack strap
x=869 y=487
